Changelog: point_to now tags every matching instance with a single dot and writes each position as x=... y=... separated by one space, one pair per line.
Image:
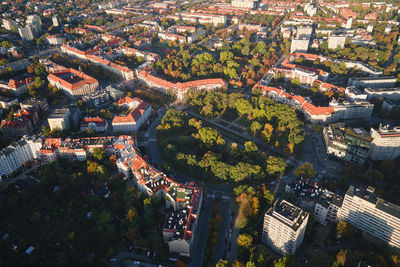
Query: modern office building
x=284 y=227
x=385 y=144
x=376 y=217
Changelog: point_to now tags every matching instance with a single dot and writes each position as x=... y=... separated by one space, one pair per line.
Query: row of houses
x=180 y=89
x=336 y=111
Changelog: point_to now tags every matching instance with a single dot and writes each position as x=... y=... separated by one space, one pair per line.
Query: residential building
x=59 y=119
x=9 y=24
x=39 y=103
x=347 y=13
x=180 y=89
x=74 y=83
x=18 y=153
x=349 y=144
x=391 y=93
x=284 y=227
x=16 y=127
x=327 y=207
x=97 y=99
x=385 y=144
x=20 y=87
x=6 y=102
x=35 y=23
x=353 y=94
x=55 y=40
x=138 y=113
x=388 y=28
x=378 y=218
x=351 y=111
x=115 y=94
x=56 y=21
x=336 y=40
x=96 y=124
x=310 y=9
x=373 y=82
x=26 y=33
x=306 y=190
x=370 y=27
x=251 y=4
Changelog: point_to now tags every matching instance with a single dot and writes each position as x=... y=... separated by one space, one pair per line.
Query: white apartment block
x=245 y=3
x=374 y=216
x=284 y=227
x=18 y=153
x=9 y=24
x=335 y=41
x=59 y=119
x=299 y=45
x=385 y=144
x=327 y=207
x=26 y=33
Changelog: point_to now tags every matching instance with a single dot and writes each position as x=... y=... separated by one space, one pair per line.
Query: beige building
x=385 y=144
x=374 y=216
x=59 y=119
x=284 y=227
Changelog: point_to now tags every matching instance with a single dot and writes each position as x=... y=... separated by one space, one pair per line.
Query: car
x=113 y=260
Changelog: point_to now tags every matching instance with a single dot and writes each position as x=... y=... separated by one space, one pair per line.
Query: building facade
x=284 y=227
x=385 y=144
x=327 y=207
x=376 y=217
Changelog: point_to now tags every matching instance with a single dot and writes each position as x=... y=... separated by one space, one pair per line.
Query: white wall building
x=327 y=207
x=385 y=144
x=284 y=227
x=15 y=155
x=374 y=216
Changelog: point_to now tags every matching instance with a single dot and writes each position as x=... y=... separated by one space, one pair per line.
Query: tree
x=287 y=260
x=222 y=263
x=345 y=230
x=255 y=127
x=340 y=258
x=305 y=170
x=250 y=147
x=225 y=56
x=99 y=153
x=275 y=165
x=243 y=106
x=267 y=132
x=244 y=241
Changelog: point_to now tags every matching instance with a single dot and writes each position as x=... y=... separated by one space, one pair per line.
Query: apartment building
x=60 y=119
x=385 y=144
x=18 y=153
x=373 y=82
x=284 y=227
x=180 y=89
x=392 y=93
x=251 y=4
x=19 y=87
x=327 y=207
x=75 y=84
x=96 y=124
x=376 y=217
x=138 y=113
x=349 y=144
x=336 y=41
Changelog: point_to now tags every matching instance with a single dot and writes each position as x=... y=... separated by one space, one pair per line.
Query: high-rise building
x=9 y=24
x=60 y=119
x=284 y=227
x=35 y=22
x=336 y=40
x=385 y=144
x=15 y=155
x=26 y=33
x=56 y=21
x=376 y=217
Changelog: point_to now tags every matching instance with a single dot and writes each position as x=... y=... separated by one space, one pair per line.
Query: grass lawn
x=244 y=122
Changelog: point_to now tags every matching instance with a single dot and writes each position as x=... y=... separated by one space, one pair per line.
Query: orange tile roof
x=74 y=83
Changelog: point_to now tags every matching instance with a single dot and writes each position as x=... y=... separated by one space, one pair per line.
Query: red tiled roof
x=70 y=84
